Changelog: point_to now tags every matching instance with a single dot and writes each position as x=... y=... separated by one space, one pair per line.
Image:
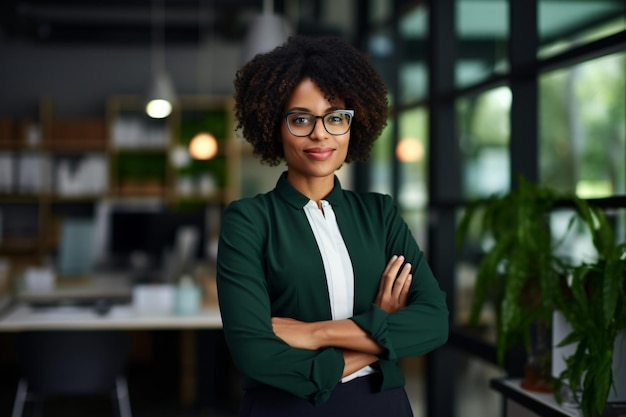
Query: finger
x=391 y=272
x=390 y=265
x=401 y=280
x=404 y=293
x=384 y=279
x=403 y=296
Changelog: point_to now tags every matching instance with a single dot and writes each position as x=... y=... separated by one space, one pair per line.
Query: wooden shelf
x=138 y=170
x=19 y=198
x=21 y=244
x=74 y=145
x=10 y=145
x=78 y=198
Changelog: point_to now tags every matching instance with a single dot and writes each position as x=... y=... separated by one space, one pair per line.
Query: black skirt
x=358 y=397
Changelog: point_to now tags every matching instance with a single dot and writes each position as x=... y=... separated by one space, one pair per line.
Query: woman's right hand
x=395 y=282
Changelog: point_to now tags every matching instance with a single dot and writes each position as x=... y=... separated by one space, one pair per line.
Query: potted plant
x=522 y=272
x=593 y=305
x=526 y=277
x=519 y=273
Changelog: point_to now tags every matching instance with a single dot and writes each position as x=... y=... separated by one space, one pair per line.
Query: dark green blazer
x=269 y=265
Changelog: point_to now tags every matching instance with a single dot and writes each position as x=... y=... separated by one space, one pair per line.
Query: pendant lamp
x=203 y=145
x=160 y=97
x=267 y=31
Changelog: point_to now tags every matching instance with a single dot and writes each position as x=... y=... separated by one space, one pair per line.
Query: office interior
x=92 y=190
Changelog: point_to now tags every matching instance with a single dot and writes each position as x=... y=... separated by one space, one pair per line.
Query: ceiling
x=124 y=21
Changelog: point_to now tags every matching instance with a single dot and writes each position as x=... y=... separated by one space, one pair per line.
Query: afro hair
x=264 y=85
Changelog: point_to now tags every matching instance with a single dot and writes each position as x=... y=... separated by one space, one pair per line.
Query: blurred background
x=94 y=190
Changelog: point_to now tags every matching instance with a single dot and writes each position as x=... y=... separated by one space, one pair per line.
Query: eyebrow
x=305 y=110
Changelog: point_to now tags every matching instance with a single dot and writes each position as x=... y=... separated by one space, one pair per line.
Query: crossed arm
x=359 y=349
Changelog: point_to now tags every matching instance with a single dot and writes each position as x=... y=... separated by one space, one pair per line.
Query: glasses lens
x=300 y=124
x=337 y=123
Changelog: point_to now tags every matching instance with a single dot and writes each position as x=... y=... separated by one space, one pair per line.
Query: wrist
x=322 y=333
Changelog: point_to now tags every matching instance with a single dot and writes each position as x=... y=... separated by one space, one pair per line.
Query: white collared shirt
x=337 y=265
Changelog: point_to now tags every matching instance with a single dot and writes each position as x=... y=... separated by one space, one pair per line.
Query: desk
x=21 y=316
x=100 y=285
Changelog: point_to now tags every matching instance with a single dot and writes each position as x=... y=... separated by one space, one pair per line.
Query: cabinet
x=54 y=168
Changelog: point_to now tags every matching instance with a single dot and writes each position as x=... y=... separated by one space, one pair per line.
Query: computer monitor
x=151 y=234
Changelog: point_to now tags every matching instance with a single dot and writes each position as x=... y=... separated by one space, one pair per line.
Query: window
x=566 y=24
x=482 y=31
x=411 y=152
x=380 y=161
x=484 y=131
x=413 y=71
x=582 y=130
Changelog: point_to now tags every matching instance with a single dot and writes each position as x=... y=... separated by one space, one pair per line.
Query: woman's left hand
x=393 y=290
x=295 y=333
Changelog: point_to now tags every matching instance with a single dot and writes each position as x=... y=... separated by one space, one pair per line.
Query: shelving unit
x=137 y=149
x=142 y=151
x=64 y=168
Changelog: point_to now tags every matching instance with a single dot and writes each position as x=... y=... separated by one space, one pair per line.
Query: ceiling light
x=267 y=31
x=161 y=97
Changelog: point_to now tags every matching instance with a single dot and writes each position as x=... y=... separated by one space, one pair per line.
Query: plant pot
x=537 y=370
x=535 y=379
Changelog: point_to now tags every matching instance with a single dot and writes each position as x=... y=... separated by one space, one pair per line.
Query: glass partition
x=482 y=30
x=484 y=131
x=380 y=48
x=380 y=162
x=582 y=127
x=413 y=71
x=412 y=153
x=567 y=24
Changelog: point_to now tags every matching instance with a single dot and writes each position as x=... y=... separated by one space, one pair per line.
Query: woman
x=321 y=289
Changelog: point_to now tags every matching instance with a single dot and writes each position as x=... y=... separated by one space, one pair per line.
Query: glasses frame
x=342 y=111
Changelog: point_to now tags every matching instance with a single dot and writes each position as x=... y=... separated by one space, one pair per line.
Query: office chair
x=72 y=362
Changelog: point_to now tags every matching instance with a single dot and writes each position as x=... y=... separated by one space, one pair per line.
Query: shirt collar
x=291 y=195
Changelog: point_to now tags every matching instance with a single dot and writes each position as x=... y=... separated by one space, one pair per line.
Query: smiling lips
x=319 y=154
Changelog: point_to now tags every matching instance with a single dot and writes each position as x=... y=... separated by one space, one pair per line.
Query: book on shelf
x=6 y=172
x=133 y=132
x=33 y=173
x=87 y=176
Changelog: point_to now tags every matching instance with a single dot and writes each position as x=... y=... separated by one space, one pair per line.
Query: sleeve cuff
x=374 y=322
x=326 y=381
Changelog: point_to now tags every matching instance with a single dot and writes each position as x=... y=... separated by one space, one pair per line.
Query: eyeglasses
x=336 y=122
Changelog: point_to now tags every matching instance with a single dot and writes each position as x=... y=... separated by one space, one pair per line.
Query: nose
x=319 y=131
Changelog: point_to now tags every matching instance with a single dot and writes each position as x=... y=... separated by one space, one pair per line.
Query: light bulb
x=159 y=108
x=410 y=150
x=203 y=146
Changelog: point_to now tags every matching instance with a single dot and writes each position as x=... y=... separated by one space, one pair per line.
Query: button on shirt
x=337 y=265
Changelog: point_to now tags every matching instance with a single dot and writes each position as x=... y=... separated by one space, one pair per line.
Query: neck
x=315 y=188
